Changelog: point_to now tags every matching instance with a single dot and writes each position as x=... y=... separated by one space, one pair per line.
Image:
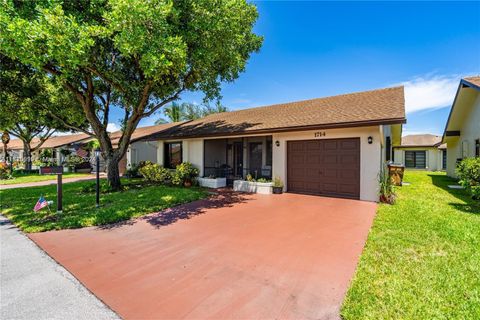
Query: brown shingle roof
x=143 y=132
x=473 y=80
x=58 y=141
x=421 y=140
x=354 y=109
x=52 y=142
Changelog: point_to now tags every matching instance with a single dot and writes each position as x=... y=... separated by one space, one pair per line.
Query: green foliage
x=92 y=145
x=189 y=111
x=421 y=257
x=386 y=186
x=74 y=160
x=136 y=55
x=28 y=99
x=277 y=182
x=79 y=207
x=5 y=171
x=186 y=171
x=263 y=180
x=249 y=178
x=468 y=171
x=154 y=172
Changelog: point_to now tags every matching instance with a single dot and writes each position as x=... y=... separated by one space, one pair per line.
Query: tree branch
x=106 y=79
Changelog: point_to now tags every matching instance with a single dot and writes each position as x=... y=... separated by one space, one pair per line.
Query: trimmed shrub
x=153 y=172
x=5 y=171
x=468 y=171
x=185 y=171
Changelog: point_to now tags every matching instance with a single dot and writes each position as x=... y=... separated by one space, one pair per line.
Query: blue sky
x=317 y=49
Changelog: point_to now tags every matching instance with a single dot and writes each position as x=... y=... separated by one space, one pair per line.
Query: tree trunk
x=113 y=173
x=27 y=156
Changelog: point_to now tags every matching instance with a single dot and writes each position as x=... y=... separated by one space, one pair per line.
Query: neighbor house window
x=444 y=159
x=415 y=159
x=173 y=154
x=388 y=149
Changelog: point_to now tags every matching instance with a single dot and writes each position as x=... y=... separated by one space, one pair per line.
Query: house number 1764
x=319 y=134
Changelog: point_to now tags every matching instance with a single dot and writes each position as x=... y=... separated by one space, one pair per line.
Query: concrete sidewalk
x=48 y=182
x=34 y=286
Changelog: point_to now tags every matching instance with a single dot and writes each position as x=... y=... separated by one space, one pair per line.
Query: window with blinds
x=415 y=159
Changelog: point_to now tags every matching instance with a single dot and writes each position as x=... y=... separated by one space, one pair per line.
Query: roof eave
x=366 y=123
x=463 y=83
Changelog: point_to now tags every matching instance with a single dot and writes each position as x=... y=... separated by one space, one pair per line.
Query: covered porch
x=235 y=158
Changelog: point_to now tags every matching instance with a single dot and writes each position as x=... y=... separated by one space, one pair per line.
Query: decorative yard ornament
x=5 y=141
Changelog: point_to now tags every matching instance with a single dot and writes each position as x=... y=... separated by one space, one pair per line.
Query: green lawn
x=24 y=178
x=79 y=204
x=422 y=257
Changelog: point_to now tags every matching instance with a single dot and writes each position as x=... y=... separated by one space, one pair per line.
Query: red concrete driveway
x=235 y=256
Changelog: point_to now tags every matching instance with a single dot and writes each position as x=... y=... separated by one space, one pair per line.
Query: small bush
x=133 y=170
x=5 y=171
x=153 y=172
x=186 y=171
x=277 y=182
x=387 y=188
x=468 y=171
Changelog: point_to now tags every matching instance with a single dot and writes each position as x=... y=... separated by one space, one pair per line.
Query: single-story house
x=72 y=142
x=333 y=146
x=421 y=151
x=462 y=132
x=139 y=150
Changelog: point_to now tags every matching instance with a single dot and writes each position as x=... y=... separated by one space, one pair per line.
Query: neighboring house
x=332 y=146
x=462 y=132
x=421 y=151
x=140 y=151
x=72 y=142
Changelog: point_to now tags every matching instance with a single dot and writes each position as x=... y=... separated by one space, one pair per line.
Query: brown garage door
x=329 y=167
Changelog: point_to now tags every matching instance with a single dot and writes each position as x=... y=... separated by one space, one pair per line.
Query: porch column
x=160 y=152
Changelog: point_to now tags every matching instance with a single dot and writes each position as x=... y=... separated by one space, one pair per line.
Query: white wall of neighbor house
x=433 y=157
x=464 y=145
x=142 y=151
x=370 y=154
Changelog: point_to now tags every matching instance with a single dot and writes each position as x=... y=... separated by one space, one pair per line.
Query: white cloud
x=111 y=127
x=430 y=92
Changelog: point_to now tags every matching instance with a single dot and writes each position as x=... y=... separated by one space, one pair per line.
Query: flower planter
x=213 y=183
x=252 y=187
x=277 y=190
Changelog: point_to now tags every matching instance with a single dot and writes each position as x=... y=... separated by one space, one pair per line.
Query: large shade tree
x=133 y=54
x=29 y=105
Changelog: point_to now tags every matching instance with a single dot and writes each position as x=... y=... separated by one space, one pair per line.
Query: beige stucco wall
x=433 y=161
x=370 y=155
x=464 y=145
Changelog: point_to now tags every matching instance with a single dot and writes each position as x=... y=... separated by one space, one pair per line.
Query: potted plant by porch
x=387 y=188
x=277 y=187
x=187 y=173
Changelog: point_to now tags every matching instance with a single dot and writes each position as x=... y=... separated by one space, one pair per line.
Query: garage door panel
x=328 y=167
x=312 y=146
x=348 y=145
x=330 y=174
x=330 y=159
x=296 y=146
x=312 y=159
x=329 y=145
x=349 y=159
